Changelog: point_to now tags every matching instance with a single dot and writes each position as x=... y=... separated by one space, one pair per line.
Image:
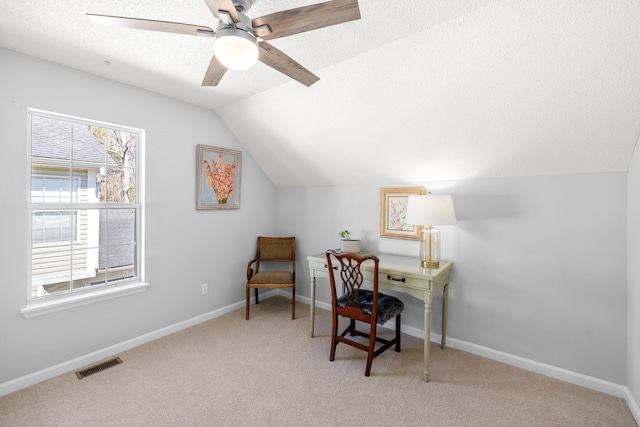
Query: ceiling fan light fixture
x=236 y=49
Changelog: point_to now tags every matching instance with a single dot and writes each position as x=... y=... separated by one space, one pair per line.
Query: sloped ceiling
x=416 y=90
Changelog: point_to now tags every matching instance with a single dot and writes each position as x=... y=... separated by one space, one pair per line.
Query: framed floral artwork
x=218 y=178
x=393 y=212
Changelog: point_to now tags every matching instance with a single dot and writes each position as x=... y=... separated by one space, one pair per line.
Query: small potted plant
x=348 y=244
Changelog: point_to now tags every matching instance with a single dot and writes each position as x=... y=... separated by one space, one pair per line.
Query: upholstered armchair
x=273 y=251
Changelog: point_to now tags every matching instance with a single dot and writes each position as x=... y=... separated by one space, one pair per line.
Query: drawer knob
x=396 y=279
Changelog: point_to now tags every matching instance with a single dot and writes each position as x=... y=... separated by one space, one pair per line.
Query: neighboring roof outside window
x=51 y=140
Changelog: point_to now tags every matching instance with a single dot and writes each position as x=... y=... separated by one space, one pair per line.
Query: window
x=85 y=205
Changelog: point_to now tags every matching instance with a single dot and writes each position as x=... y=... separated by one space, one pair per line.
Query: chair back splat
x=358 y=304
x=272 y=250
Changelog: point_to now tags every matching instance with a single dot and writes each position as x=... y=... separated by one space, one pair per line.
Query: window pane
x=117 y=178
x=52 y=255
x=50 y=139
x=120 y=185
x=117 y=243
x=87 y=145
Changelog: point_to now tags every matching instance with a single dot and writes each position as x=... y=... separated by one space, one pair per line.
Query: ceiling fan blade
x=214 y=73
x=278 y=60
x=307 y=18
x=149 y=24
x=226 y=5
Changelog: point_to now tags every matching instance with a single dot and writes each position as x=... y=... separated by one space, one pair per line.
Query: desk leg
x=312 y=314
x=427 y=336
x=445 y=308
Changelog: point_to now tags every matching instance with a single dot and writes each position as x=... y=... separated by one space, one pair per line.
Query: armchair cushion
x=272 y=276
x=388 y=306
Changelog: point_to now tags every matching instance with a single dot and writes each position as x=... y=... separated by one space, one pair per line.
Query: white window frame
x=87 y=295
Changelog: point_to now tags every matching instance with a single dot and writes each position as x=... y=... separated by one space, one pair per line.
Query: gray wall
x=540 y=262
x=633 y=286
x=185 y=247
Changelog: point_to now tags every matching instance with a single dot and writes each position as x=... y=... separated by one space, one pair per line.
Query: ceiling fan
x=240 y=41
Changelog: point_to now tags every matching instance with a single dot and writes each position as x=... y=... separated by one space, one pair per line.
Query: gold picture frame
x=217 y=178
x=393 y=211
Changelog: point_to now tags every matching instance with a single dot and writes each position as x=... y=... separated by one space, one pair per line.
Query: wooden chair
x=273 y=250
x=367 y=306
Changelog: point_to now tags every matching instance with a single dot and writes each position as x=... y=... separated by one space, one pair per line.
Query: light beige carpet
x=268 y=372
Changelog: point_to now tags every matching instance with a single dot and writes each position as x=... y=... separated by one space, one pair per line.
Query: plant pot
x=354 y=246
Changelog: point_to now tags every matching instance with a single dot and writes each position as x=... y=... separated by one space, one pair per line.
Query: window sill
x=38 y=308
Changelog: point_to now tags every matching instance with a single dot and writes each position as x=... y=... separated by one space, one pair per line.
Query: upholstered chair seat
x=388 y=306
x=275 y=276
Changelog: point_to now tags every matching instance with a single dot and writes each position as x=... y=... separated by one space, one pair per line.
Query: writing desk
x=403 y=274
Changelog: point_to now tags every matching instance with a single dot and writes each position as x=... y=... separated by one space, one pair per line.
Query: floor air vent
x=97 y=368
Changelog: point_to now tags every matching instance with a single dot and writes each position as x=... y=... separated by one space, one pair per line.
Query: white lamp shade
x=235 y=49
x=430 y=210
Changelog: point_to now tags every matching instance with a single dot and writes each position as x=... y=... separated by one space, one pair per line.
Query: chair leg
x=256 y=292
x=293 y=303
x=372 y=345
x=398 y=333
x=352 y=327
x=246 y=311
x=334 y=336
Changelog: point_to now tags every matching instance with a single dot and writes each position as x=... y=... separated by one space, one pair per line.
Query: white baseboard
x=520 y=362
x=107 y=352
x=633 y=405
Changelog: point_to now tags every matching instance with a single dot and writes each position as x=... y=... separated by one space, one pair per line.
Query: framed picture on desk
x=393 y=212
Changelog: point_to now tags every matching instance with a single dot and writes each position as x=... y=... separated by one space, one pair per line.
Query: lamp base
x=430 y=263
x=430 y=247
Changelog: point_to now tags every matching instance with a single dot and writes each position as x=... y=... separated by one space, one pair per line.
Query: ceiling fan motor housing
x=244 y=24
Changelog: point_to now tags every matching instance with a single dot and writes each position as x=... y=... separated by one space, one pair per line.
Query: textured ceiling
x=416 y=90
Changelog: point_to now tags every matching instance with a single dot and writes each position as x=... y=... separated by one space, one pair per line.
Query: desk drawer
x=391 y=280
x=318 y=265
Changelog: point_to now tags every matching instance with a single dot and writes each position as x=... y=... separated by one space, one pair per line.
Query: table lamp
x=430 y=210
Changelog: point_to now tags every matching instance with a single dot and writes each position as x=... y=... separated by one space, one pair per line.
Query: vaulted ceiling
x=415 y=90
